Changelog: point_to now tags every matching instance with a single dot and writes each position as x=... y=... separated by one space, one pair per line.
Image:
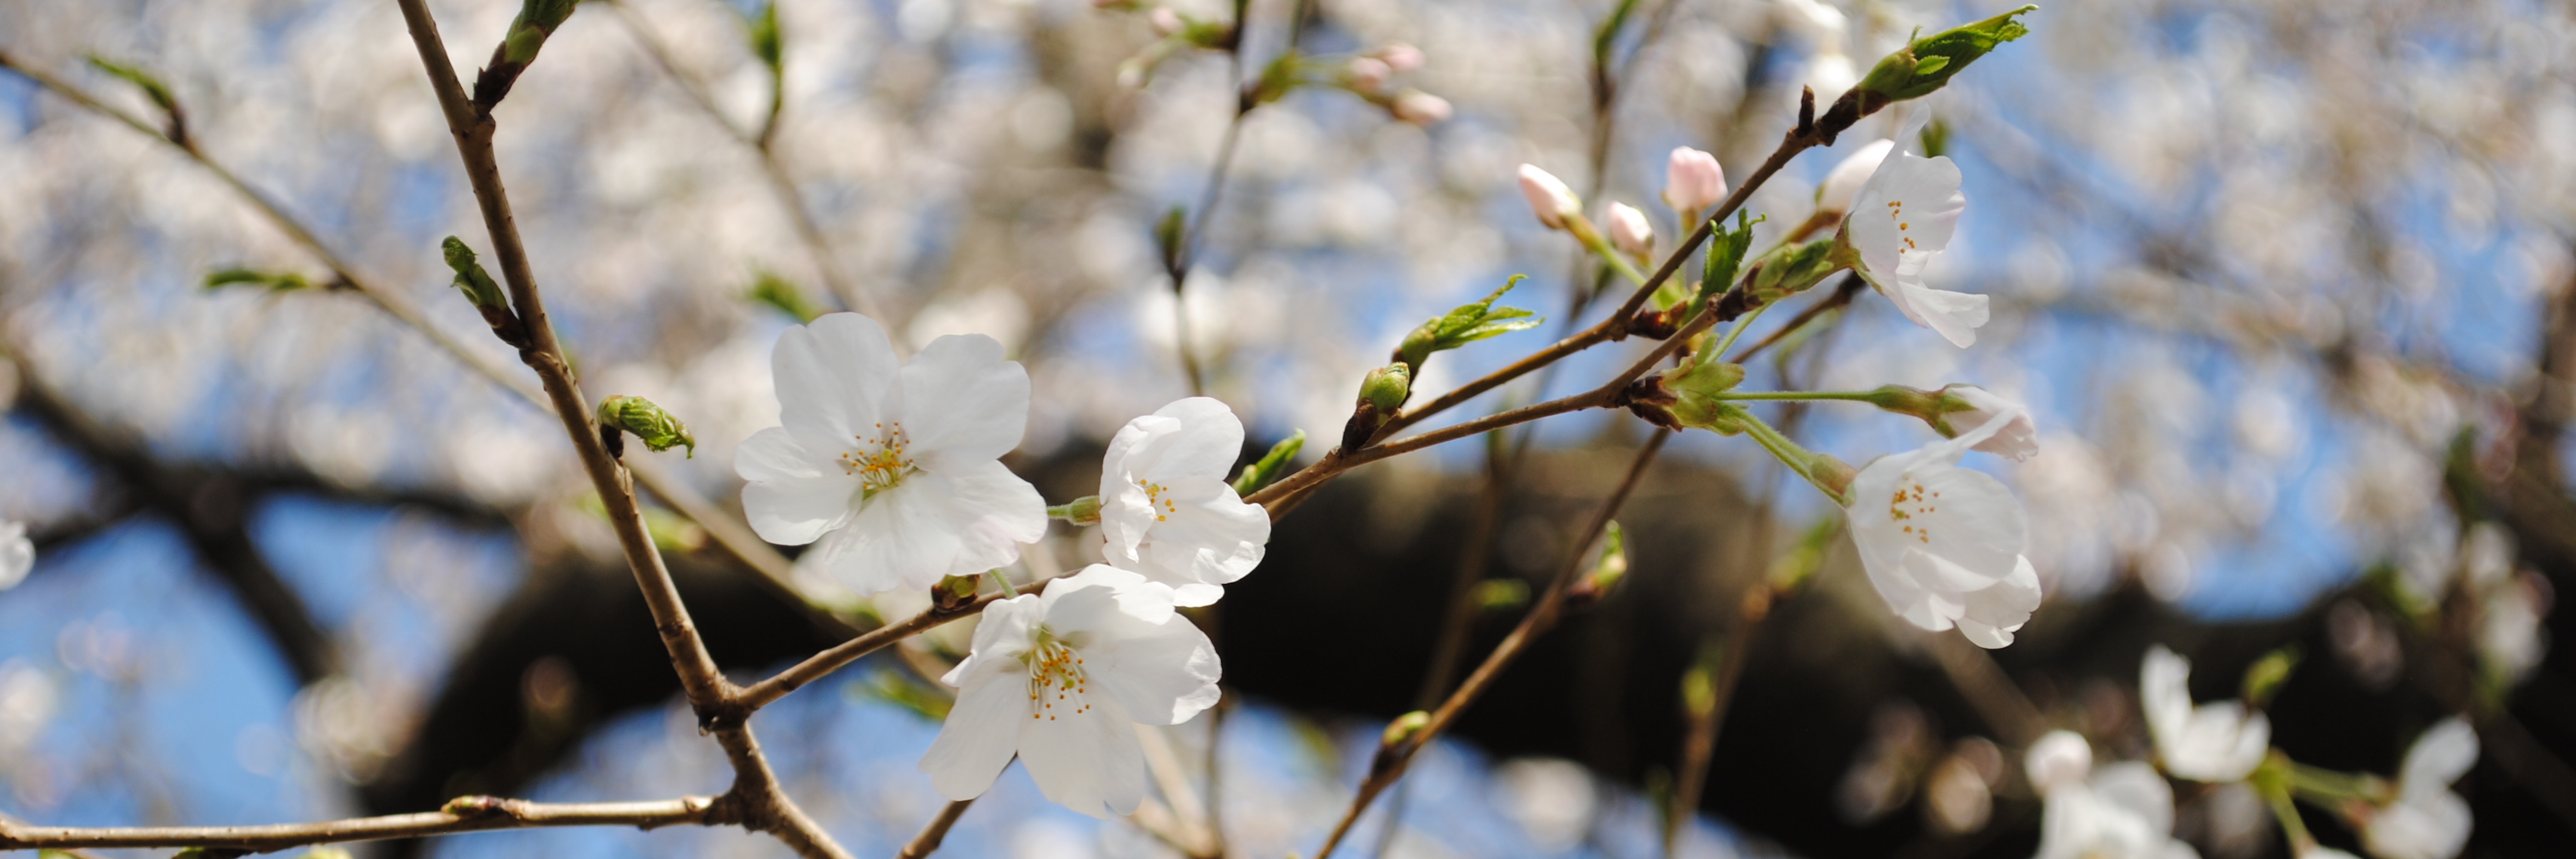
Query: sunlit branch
x=466 y=814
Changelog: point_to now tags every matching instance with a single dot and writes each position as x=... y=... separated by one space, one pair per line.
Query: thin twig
x=816 y=667
x=728 y=533
x=468 y=814
x=1392 y=760
x=927 y=842
x=763 y=803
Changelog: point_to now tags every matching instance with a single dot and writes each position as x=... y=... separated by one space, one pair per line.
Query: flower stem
x=1005 y=582
x=1851 y=396
x=1591 y=238
x=1741 y=322
x=1797 y=458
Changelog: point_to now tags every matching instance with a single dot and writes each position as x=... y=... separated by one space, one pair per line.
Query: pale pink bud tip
x=1693 y=181
x=1400 y=56
x=1421 y=108
x=1629 y=230
x=1166 y=21
x=1367 y=75
x=1548 y=197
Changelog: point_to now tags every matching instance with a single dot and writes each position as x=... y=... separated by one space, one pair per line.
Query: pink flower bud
x=1548 y=197
x=1629 y=230
x=1835 y=195
x=1400 y=56
x=1693 y=181
x=1166 y=21
x=1420 y=108
x=1367 y=74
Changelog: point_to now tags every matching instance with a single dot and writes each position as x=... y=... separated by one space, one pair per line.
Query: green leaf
x=151 y=86
x=1726 y=249
x=1168 y=234
x=275 y=281
x=1466 y=324
x=778 y=292
x=1259 y=474
x=1501 y=594
x=2267 y=674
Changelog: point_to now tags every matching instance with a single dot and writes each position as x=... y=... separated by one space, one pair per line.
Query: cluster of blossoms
x=2125 y=810
x=1943 y=544
x=891 y=470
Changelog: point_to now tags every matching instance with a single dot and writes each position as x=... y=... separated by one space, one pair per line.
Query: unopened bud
x=470 y=276
x=1549 y=198
x=1419 y=108
x=656 y=428
x=1080 y=511
x=955 y=592
x=2060 y=759
x=1840 y=186
x=1166 y=21
x=1387 y=387
x=1925 y=65
x=1630 y=231
x=1693 y=181
x=1366 y=74
x=2267 y=674
x=1403 y=729
x=1399 y=56
x=1795 y=268
x=1605 y=573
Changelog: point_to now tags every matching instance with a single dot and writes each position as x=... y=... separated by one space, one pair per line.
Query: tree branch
x=1393 y=759
x=758 y=695
x=927 y=842
x=727 y=532
x=464 y=814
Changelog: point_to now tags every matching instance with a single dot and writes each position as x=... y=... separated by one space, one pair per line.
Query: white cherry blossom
x=1900 y=219
x=893 y=467
x=2427 y=820
x=1941 y=543
x=17 y=554
x=2058 y=759
x=1061 y=679
x=1166 y=509
x=2017 y=441
x=2122 y=811
x=2219 y=742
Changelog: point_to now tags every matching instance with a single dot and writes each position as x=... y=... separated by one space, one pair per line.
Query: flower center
x=1056 y=676
x=1154 y=498
x=880 y=463
x=1896 y=212
x=1914 y=507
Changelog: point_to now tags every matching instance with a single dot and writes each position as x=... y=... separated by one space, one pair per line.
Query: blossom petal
x=992 y=511
x=834 y=378
x=2439 y=757
x=1995 y=612
x=1955 y=316
x=797 y=511
x=963 y=403
x=900 y=539
x=979 y=738
x=1088 y=761
x=774 y=454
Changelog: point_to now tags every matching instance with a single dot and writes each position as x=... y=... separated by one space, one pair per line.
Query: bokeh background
x=2287 y=283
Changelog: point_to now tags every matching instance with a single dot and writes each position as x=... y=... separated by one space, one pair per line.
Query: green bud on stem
x=656 y=428
x=1261 y=473
x=1465 y=324
x=1921 y=68
x=2267 y=674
